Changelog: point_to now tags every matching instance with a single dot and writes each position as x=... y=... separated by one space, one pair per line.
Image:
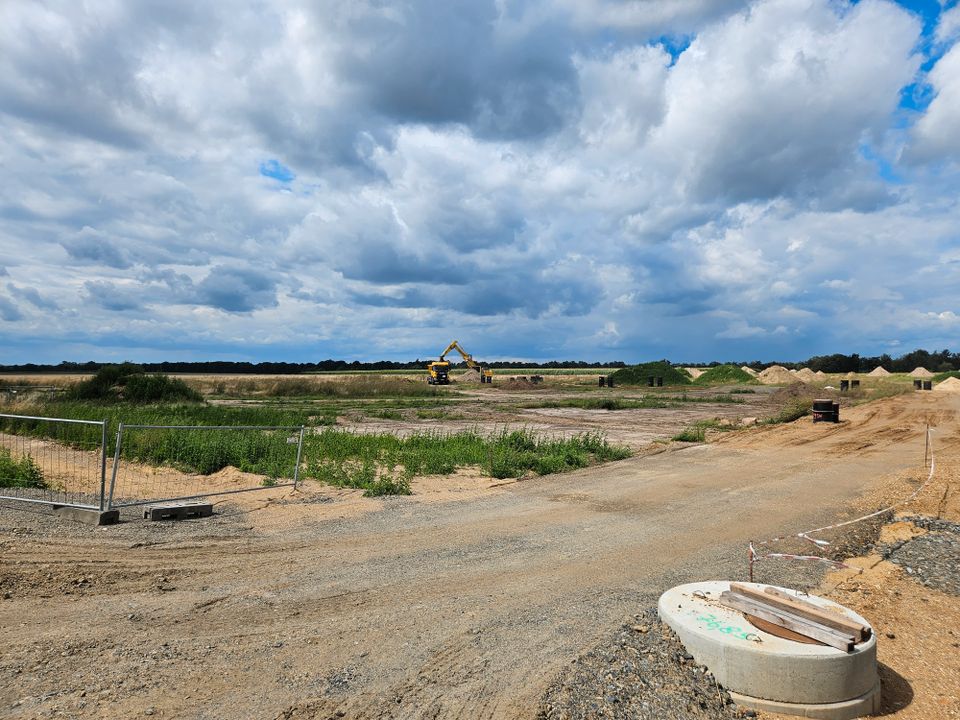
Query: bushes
x=127 y=382
x=639 y=374
x=22 y=473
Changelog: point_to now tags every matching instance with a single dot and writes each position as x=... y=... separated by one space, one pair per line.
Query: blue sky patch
x=276 y=170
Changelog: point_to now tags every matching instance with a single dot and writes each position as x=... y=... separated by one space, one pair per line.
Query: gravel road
x=308 y=606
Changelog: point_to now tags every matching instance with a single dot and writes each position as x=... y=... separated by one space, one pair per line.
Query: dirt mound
x=921 y=372
x=878 y=371
x=820 y=374
x=469 y=376
x=749 y=371
x=777 y=375
x=722 y=375
x=639 y=374
x=806 y=374
x=950 y=385
x=695 y=372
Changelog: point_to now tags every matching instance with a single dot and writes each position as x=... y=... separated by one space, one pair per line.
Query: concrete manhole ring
x=765 y=671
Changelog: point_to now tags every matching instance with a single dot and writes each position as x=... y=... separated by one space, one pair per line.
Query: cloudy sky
x=542 y=179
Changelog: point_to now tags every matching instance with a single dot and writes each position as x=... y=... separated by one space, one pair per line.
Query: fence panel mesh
x=163 y=462
x=54 y=461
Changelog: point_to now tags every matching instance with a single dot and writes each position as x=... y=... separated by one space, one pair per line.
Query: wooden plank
x=826 y=635
x=807 y=610
x=860 y=631
x=774 y=629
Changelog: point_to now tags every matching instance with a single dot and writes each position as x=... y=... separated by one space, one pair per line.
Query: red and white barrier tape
x=754 y=557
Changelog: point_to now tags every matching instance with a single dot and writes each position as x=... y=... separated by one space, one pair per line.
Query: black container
x=844 y=385
x=651 y=380
x=854 y=383
x=928 y=385
x=603 y=380
x=610 y=381
x=826 y=411
x=918 y=384
x=659 y=382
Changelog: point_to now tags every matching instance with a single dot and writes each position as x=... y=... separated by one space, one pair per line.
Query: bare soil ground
x=464 y=600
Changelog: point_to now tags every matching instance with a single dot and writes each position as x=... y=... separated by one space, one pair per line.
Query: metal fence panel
x=154 y=463
x=53 y=461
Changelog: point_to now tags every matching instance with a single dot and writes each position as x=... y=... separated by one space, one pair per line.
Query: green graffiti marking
x=714 y=623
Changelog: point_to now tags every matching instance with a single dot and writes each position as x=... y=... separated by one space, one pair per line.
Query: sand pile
x=820 y=374
x=777 y=375
x=950 y=385
x=921 y=372
x=695 y=372
x=470 y=375
x=878 y=372
x=749 y=371
x=806 y=374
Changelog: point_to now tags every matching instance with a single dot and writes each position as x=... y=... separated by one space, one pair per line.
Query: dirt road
x=322 y=603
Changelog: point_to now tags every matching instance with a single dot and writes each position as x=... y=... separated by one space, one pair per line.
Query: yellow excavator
x=439 y=370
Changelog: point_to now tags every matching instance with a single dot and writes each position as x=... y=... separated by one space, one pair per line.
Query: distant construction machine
x=439 y=370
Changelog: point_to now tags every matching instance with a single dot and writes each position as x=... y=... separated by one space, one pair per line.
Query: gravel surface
x=643 y=672
x=932 y=559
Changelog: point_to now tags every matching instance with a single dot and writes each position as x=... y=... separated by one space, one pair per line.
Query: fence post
x=296 y=469
x=103 y=464
x=116 y=464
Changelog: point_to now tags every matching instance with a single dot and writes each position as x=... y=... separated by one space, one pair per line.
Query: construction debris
x=795 y=615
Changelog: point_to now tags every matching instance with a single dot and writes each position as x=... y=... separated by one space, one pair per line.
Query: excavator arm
x=486 y=375
x=467 y=357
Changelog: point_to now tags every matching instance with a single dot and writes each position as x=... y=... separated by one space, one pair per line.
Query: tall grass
x=353 y=386
x=501 y=455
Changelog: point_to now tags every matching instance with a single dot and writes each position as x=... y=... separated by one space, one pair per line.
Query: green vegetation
x=693 y=434
x=724 y=375
x=940 y=377
x=698 y=431
x=793 y=410
x=714 y=399
x=358 y=459
x=22 y=473
x=363 y=474
x=353 y=386
x=385 y=414
x=639 y=374
x=209 y=451
x=604 y=403
x=128 y=383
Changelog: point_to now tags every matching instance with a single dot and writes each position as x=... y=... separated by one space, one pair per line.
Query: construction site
x=735 y=561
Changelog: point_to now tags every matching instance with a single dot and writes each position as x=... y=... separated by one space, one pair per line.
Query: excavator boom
x=438 y=370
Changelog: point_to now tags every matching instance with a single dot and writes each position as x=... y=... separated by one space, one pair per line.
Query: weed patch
x=692 y=434
x=359 y=460
x=22 y=473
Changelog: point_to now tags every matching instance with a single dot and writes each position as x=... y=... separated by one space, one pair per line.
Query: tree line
x=936 y=361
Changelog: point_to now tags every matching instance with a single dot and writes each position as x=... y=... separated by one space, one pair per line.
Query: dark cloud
x=9 y=311
x=237 y=290
x=111 y=296
x=88 y=246
x=32 y=296
x=453 y=63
